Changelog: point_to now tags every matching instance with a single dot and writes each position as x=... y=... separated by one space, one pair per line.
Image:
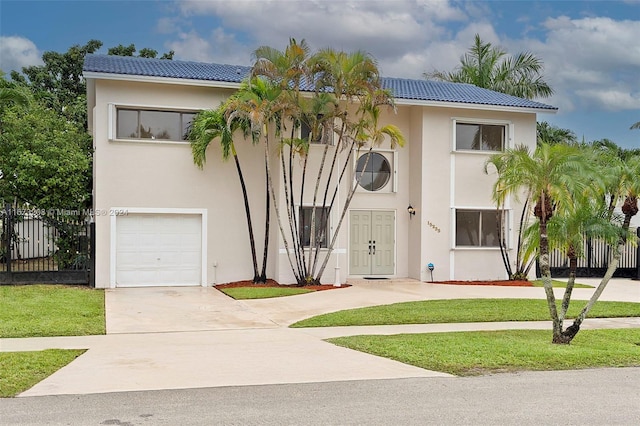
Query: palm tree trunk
x=247 y=211
x=502 y=243
x=545 y=272
x=316 y=244
x=345 y=208
x=263 y=274
x=275 y=202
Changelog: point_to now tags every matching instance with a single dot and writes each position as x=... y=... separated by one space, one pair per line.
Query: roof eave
x=469 y=105
x=163 y=80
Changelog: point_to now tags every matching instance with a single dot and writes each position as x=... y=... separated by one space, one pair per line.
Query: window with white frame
x=132 y=123
x=480 y=137
x=374 y=171
x=321 y=220
x=324 y=132
x=479 y=228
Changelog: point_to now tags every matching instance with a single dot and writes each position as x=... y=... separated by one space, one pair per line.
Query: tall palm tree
x=208 y=126
x=551 y=176
x=341 y=82
x=489 y=67
x=547 y=133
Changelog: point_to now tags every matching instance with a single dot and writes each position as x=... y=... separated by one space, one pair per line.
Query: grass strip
x=51 y=310
x=22 y=370
x=239 y=293
x=559 y=284
x=486 y=352
x=463 y=310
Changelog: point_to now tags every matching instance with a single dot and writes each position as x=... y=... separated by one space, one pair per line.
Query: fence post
x=638 y=255
x=8 y=234
x=92 y=253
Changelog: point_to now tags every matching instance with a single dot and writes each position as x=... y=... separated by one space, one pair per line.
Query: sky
x=590 y=49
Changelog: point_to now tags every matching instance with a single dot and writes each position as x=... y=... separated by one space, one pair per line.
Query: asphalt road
x=586 y=397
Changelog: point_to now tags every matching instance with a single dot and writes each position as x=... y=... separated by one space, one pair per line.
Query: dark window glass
x=322 y=226
x=481 y=137
x=374 y=173
x=478 y=228
x=127 y=124
x=148 y=124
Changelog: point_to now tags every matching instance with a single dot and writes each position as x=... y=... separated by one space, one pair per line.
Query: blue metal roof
x=407 y=89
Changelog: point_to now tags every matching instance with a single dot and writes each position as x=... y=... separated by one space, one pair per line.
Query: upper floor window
x=480 y=137
x=153 y=124
x=325 y=133
x=373 y=171
x=478 y=228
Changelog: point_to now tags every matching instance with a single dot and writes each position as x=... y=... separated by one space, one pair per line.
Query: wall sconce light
x=411 y=210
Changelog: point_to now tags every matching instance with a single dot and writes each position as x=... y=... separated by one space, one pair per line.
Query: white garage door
x=158 y=250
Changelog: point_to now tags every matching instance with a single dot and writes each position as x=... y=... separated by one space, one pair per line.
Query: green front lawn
x=22 y=370
x=239 y=293
x=462 y=310
x=51 y=310
x=484 y=352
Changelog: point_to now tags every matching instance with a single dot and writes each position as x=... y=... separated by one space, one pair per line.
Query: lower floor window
x=321 y=220
x=479 y=228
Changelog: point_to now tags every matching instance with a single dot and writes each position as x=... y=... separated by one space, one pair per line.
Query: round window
x=374 y=173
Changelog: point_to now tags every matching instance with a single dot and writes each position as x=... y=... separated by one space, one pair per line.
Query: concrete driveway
x=173 y=338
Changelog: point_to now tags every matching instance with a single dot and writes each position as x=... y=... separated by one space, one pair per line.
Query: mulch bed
x=515 y=283
x=273 y=283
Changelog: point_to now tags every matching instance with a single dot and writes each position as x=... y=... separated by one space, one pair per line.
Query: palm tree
x=547 y=133
x=13 y=96
x=551 y=177
x=489 y=67
x=208 y=126
x=339 y=80
x=622 y=178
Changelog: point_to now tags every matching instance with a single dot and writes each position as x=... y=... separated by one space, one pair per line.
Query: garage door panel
x=158 y=249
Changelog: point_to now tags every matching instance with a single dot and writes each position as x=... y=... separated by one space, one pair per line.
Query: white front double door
x=372 y=242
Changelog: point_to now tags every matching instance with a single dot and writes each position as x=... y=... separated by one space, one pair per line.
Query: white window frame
x=506 y=223
x=392 y=156
x=508 y=133
x=113 y=122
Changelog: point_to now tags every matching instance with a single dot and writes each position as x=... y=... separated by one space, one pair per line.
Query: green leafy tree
x=492 y=68
x=42 y=158
x=130 y=50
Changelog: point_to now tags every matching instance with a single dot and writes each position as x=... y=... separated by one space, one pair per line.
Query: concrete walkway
x=172 y=338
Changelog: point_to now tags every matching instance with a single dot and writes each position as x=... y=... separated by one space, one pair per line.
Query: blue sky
x=591 y=49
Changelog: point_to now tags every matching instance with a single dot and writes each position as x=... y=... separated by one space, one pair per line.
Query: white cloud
x=397 y=33
x=219 y=47
x=17 y=52
x=591 y=62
